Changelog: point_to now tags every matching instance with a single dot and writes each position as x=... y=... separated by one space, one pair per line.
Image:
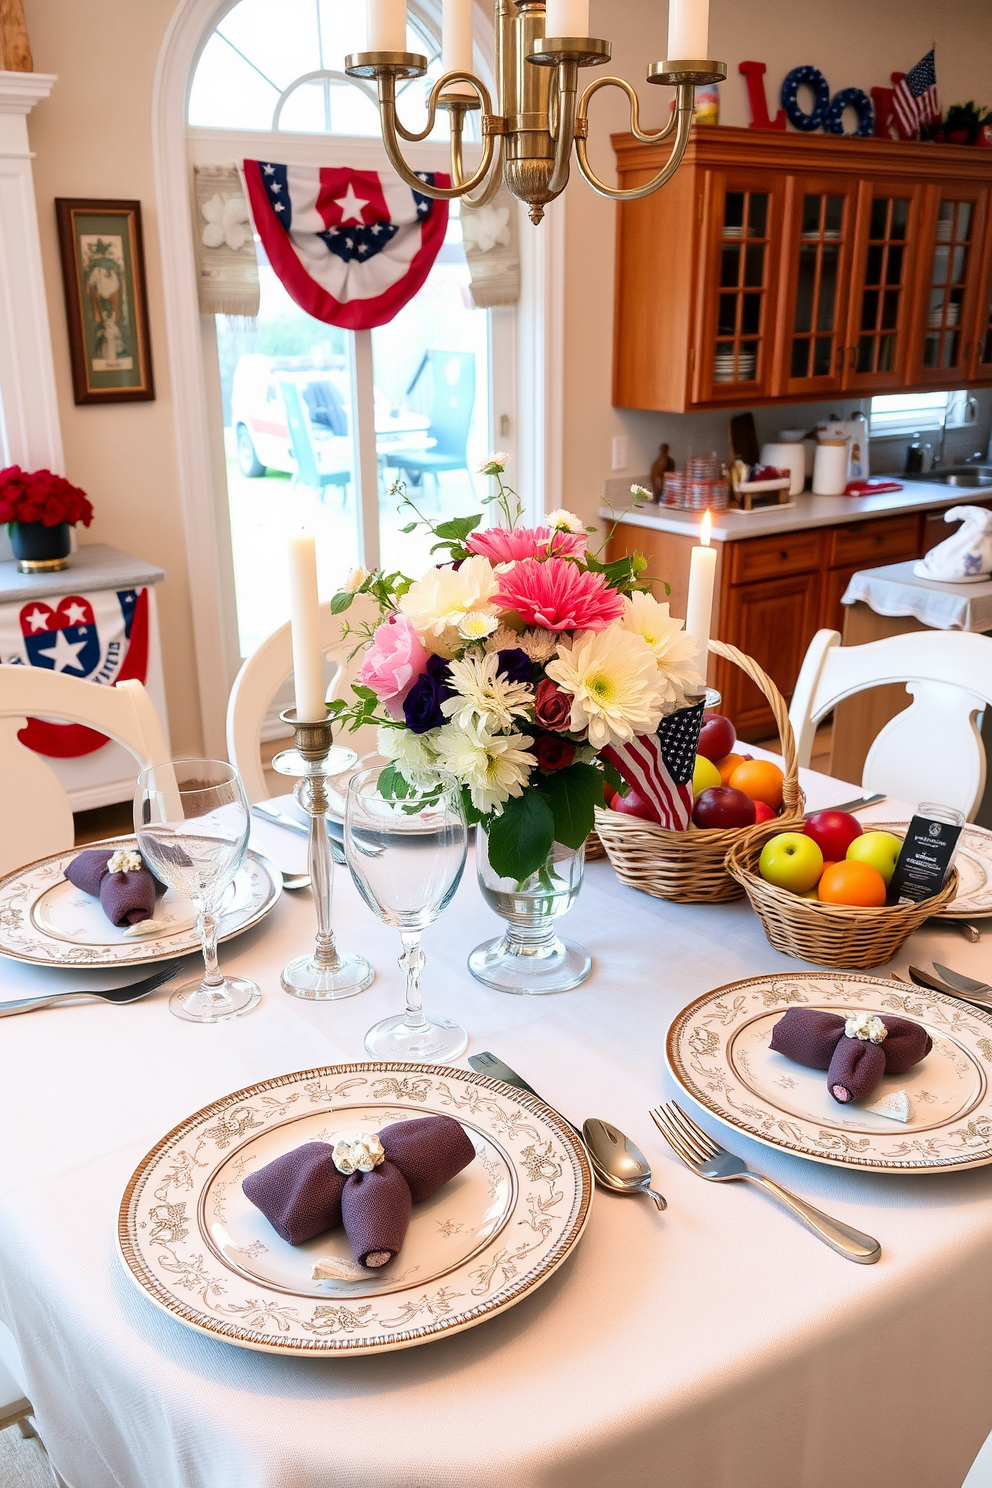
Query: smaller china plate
x=46 y=920
x=974 y=864
x=718 y=1050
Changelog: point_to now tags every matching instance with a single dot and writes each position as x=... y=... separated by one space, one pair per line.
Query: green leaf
x=360 y=690
x=458 y=529
x=612 y=776
x=341 y=602
x=410 y=527
x=572 y=795
x=472 y=814
x=520 y=839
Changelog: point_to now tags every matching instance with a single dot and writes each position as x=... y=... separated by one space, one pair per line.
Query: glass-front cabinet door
x=953 y=229
x=733 y=354
x=981 y=349
x=879 y=320
x=820 y=216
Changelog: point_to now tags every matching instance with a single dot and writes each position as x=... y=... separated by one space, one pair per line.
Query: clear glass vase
x=530 y=958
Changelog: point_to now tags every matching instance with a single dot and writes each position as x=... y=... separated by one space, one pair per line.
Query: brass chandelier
x=527 y=139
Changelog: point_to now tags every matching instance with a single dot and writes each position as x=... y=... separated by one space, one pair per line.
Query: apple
x=717 y=736
x=791 y=861
x=833 y=832
x=720 y=806
x=633 y=804
x=879 y=849
x=705 y=774
x=609 y=793
x=763 y=813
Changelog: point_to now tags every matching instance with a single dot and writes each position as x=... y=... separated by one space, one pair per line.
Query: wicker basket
x=594 y=847
x=689 y=867
x=830 y=934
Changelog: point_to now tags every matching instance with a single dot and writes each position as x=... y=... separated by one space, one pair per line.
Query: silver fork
x=704 y=1156
x=130 y=993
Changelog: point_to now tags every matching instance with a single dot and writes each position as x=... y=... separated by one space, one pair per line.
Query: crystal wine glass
x=407 y=857
x=192 y=822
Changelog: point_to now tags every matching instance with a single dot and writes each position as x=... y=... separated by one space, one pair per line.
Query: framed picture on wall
x=103 y=270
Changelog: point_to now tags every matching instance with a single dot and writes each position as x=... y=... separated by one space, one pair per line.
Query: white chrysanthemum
x=411 y=754
x=476 y=625
x=502 y=639
x=616 y=686
x=540 y=645
x=674 y=651
x=356 y=578
x=641 y=493
x=564 y=521
x=437 y=603
x=494 y=767
x=484 y=697
x=494 y=464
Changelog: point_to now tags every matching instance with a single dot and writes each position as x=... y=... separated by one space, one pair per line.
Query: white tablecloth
x=896 y=590
x=718 y=1345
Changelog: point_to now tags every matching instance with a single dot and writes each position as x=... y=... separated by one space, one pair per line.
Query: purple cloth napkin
x=302 y=1193
x=126 y=897
x=854 y=1066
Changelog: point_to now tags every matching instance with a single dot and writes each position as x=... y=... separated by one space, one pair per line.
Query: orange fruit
x=761 y=780
x=728 y=765
x=851 y=882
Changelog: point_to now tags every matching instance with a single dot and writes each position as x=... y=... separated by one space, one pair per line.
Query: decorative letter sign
x=827 y=112
x=754 y=72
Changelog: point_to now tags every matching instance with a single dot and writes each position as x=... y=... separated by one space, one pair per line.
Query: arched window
x=313 y=422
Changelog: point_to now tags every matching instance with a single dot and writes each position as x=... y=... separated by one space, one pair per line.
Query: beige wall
x=854 y=44
x=92 y=138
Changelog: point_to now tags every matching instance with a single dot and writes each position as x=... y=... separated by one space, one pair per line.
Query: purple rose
x=515 y=665
x=422 y=704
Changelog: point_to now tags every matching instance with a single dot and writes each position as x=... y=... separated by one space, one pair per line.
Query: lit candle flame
x=704 y=529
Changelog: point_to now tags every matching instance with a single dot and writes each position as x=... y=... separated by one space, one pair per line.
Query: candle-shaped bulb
x=688 y=30
x=567 y=18
x=386 y=25
x=456 y=40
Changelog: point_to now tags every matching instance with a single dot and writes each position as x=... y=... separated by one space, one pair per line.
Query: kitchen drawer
x=885 y=540
x=769 y=557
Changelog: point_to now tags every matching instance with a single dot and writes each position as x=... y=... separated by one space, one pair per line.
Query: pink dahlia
x=558 y=595
x=501 y=545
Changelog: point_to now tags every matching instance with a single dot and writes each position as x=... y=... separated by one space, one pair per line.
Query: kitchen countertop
x=806 y=511
x=93 y=566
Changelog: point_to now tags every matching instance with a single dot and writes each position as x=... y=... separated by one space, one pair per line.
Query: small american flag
x=915 y=100
x=659 y=766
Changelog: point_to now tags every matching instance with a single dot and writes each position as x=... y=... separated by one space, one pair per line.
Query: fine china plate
x=489 y=1238
x=718 y=1051
x=46 y=920
x=974 y=864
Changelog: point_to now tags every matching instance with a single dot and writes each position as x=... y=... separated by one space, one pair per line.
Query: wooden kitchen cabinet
x=771 y=622
x=786 y=266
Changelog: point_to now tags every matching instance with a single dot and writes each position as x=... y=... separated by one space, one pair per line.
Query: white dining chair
x=270 y=667
x=35 y=812
x=932 y=751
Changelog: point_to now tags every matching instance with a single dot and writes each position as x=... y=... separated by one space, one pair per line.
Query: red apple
x=721 y=806
x=717 y=736
x=763 y=813
x=609 y=793
x=833 y=832
x=633 y=804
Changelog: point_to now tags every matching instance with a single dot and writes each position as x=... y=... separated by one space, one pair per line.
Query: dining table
x=718 y=1344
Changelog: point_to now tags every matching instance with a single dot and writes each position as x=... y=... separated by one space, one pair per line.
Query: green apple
x=879 y=849
x=791 y=860
x=705 y=776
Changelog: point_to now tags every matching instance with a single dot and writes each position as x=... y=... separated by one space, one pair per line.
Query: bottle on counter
x=927 y=854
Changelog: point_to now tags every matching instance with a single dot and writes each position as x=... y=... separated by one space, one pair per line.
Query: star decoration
x=352 y=207
x=76 y=613
x=279 y=207
x=37 y=621
x=64 y=653
x=269 y=170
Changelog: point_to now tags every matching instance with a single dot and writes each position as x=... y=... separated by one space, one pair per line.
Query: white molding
x=20 y=91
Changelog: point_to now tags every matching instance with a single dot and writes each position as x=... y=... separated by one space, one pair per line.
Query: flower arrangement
x=41 y=496
x=510 y=666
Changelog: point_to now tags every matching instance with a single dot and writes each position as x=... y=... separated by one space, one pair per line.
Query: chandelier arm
x=495 y=181
x=562 y=110
x=646 y=136
x=681 y=122
x=391 y=128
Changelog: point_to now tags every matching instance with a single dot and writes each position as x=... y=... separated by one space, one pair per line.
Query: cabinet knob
x=783 y=553
x=852 y=353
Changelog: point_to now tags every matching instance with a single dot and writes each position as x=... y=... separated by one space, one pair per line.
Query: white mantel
x=29 y=420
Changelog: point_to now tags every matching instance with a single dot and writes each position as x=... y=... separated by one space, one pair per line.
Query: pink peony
x=558 y=595
x=501 y=545
x=395 y=659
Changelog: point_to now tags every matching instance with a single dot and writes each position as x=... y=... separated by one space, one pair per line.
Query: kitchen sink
x=959 y=475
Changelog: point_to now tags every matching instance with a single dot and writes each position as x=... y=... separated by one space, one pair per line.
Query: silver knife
x=280 y=819
x=963 y=983
x=937 y=984
x=855 y=805
x=488 y=1064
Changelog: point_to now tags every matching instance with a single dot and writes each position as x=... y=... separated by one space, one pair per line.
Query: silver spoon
x=617 y=1162
x=296 y=881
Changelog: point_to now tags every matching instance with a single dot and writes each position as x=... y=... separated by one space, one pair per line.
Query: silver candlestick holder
x=326 y=975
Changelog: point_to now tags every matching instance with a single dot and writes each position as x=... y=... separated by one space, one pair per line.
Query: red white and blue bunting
x=350 y=246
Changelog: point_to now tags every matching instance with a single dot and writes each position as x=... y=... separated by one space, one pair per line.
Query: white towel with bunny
x=966 y=557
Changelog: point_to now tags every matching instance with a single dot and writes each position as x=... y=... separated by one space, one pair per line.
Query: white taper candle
x=699 y=603
x=688 y=30
x=308 y=665
x=456 y=39
x=567 y=18
x=386 y=25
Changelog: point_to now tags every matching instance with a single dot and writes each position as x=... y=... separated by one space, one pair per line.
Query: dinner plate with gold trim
x=47 y=921
x=718 y=1051
x=199 y=1250
x=973 y=860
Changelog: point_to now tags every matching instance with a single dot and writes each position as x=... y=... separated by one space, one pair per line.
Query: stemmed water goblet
x=407 y=855
x=192 y=822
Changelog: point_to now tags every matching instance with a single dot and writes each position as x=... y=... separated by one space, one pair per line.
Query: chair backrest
x=266 y=671
x=452 y=400
x=298 y=423
x=35 y=813
x=933 y=749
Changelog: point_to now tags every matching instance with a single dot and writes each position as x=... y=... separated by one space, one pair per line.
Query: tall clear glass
x=192 y=822
x=407 y=858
